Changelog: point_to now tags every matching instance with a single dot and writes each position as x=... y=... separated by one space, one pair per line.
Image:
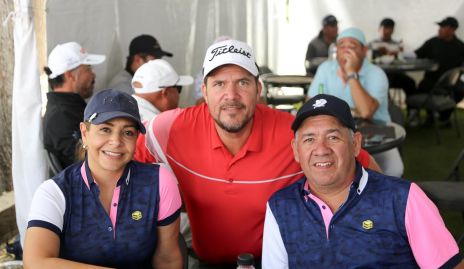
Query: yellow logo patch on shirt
x=368 y=224
x=136 y=215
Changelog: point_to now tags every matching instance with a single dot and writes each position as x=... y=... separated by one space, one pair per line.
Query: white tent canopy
x=278 y=30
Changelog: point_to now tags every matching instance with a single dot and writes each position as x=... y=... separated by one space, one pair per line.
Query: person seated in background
x=229 y=154
x=157 y=88
x=108 y=210
x=142 y=49
x=319 y=46
x=71 y=80
x=362 y=85
x=448 y=51
x=340 y=215
x=386 y=45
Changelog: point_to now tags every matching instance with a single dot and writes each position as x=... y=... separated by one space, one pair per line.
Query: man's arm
x=167 y=254
x=432 y=244
x=365 y=104
x=274 y=252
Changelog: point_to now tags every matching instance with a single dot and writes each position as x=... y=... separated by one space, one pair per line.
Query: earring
x=85 y=147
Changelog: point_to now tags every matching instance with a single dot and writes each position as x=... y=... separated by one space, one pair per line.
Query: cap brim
x=253 y=70
x=300 y=118
x=160 y=53
x=106 y=116
x=184 y=81
x=93 y=59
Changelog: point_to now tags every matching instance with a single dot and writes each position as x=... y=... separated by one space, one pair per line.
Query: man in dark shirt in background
x=448 y=51
x=445 y=48
x=319 y=46
x=71 y=79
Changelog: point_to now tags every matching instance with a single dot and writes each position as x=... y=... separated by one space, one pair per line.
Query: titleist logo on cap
x=231 y=49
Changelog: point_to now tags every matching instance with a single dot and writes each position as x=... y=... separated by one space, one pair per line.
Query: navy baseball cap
x=449 y=21
x=324 y=104
x=147 y=44
x=109 y=104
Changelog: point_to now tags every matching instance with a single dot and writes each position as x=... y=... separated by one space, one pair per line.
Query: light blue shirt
x=371 y=77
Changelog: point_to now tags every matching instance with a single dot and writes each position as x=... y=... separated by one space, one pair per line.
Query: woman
x=108 y=210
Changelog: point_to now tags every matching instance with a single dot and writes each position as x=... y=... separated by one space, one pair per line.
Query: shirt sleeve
x=376 y=84
x=364 y=158
x=157 y=135
x=432 y=244
x=48 y=207
x=170 y=201
x=274 y=252
x=141 y=152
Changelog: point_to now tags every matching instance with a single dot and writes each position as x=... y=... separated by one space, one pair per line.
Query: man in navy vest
x=340 y=215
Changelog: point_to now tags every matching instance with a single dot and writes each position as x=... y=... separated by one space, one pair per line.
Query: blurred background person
x=319 y=46
x=142 y=49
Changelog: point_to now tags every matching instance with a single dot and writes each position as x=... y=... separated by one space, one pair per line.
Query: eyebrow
x=328 y=131
x=125 y=126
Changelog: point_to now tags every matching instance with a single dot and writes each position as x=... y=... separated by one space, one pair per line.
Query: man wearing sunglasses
x=157 y=88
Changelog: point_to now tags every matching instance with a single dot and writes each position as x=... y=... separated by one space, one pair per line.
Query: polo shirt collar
x=88 y=179
x=254 y=141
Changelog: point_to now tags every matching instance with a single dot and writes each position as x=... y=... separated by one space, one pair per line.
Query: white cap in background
x=67 y=56
x=156 y=75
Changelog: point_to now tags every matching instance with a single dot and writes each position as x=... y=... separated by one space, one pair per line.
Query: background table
x=393 y=135
x=407 y=65
x=280 y=81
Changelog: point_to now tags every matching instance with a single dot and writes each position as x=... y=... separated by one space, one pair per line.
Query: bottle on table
x=245 y=261
x=321 y=89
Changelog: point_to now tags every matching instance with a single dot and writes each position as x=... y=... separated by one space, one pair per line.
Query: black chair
x=397 y=116
x=448 y=194
x=440 y=99
x=54 y=164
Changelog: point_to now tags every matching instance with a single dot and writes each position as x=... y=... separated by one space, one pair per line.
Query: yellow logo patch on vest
x=136 y=215
x=368 y=224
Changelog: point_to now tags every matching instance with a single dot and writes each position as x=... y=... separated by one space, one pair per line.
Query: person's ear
x=357 y=140
x=84 y=133
x=294 y=145
x=260 y=87
x=203 y=91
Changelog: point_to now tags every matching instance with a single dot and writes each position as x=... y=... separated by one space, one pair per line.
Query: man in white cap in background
x=157 y=88
x=71 y=80
x=364 y=86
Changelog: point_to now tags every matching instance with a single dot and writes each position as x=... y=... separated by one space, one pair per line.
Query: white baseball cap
x=230 y=52
x=67 y=56
x=156 y=75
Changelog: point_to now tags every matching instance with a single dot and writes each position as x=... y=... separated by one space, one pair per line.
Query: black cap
x=449 y=21
x=110 y=104
x=329 y=20
x=324 y=104
x=147 y=44
x=387 y=22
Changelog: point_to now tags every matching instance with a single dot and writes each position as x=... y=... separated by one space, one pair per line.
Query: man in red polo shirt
x=229 y=155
